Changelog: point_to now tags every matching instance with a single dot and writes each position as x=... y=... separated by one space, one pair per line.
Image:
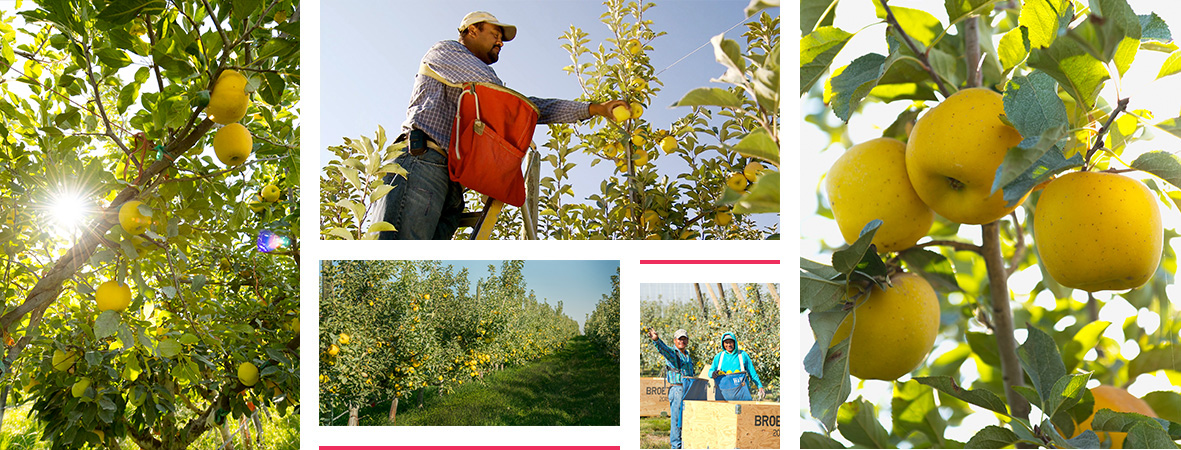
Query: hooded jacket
x=734 y=361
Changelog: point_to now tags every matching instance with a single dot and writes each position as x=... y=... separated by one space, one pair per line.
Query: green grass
x=654 y=432
x=578 y=385
x=22 y=432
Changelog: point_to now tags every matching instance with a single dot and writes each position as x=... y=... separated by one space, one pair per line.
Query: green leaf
x=1043 y=18
x=979 y=397
x=993 y=436
x=820 y=294
x=758 y=144
x=984 y=346
x=1033 y=107
x=121 y=12
x=932 y=266
x=1111 y=22
x=1144 y=435
x=759 y=5
x=858 y=422
x=846 y=260
x=1153 y=28
x=1014 y=48
x=1065 y=392
x=821 y=270
x=763 y=196
x=912 y=409
x=920 y=25
x=272 y=88
x=380 y=226
x=1079 y=73
x=710 y=97
x=113 y=57
x=825 y=395
x=817 y=51
x=850 y=84
x=1171 y=66
x=380 y=192
x=1165 y=357
x=341 y=233
x=811 y=439
x=815 y=14
x=127 y=97
x=1166 y=405
x=958 y=10
x=169 y=348
x=1085 y=339
x=1041 y=361
x=729 y=54
x=106 y=325
x=824 y=325
x=1163 y=164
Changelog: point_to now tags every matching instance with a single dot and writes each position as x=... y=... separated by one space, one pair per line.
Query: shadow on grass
x=578 y=385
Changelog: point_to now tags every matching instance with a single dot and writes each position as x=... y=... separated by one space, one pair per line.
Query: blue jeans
x=676 y=406
x=425 y=204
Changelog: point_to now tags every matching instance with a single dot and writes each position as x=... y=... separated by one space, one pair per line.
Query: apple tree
x=105 y=104
x=1054 y=325
x=389 y=330
x=602 y=324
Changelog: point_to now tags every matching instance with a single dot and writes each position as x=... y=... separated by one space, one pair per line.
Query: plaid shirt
x=433 y=104
x=679 y=365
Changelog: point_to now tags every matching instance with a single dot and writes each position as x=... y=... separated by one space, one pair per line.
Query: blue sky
x=371 y=49
x=578 y=284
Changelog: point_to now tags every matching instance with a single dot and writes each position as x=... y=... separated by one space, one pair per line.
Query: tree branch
x=1019 y=250
x=1002 y=320
x=1123 y=104
x=98 y=99
x=920 y=54
x=972 y=45
x=960 y=246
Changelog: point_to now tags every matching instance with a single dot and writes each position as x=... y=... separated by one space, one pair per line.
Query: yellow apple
x=870 y=182
x=953 y=153
x=233 y=144
x=621 y=113
x=736 y=181
x=637 y=110
x=228 y=100
x=112 y=295
x=79 y=387
x=634 y=47
x=248 y=373
x=752 y=171
x=1118 y=400
x=1098 y=231
x=668 y=144
x=63 y=360
x=133 y=221
x=893 y=329
x=344 y=339
x=270 y=193
x=333 y=350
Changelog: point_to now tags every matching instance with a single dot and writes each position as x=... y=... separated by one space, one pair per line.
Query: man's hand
x=604 y=109
x=652 y=334
x=762 y=394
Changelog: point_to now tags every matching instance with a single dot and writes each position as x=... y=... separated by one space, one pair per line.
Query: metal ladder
x=483 y=221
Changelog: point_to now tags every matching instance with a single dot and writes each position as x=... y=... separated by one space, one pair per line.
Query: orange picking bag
x=493 y=129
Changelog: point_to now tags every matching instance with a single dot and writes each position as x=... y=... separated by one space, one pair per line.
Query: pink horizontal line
x=709 y=261
x=459 y=447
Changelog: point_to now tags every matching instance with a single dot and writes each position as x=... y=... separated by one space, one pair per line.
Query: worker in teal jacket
x=732 y=360
x=679 y=374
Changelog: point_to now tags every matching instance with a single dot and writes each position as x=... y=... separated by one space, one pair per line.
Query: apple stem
x=1002 y=319
x=920 y=54
x=1123 y=105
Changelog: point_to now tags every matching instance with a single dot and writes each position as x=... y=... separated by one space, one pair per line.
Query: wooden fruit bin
x=738 y=424
x=654 y=395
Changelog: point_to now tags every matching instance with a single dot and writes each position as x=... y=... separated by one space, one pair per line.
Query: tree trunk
x=717 y=303
x=393 y=409
x=3 y=403
x=700 y=299
x=722 y=300
x=774 y=293
x=354 y=415
x=738 y=292
x=227 y=439
x=420 y=397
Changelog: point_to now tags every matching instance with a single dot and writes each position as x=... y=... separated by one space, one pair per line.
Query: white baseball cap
x=680 y=334
x=474 y=17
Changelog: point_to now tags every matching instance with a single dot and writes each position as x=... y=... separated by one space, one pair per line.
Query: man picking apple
x=426 y=204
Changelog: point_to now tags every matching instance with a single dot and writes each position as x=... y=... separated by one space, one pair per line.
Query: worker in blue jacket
x=732 y=360
x=679 y=373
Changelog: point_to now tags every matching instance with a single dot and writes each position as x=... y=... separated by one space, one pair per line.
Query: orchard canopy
x=988 y=224
x=145 y=324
